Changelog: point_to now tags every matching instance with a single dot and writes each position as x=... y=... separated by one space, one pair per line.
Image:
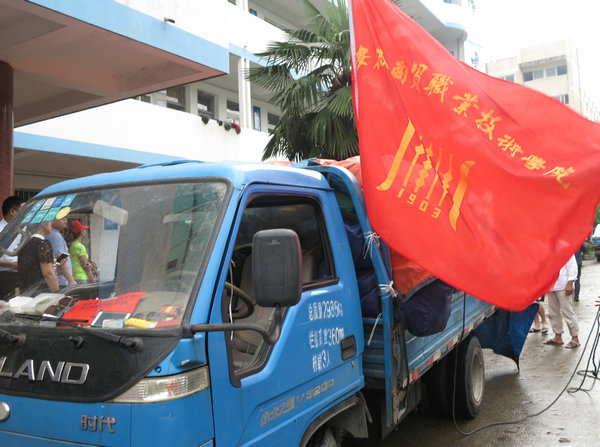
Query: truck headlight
x=160 y=389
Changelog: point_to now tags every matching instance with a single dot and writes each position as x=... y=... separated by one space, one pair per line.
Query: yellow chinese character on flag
x=438 y=85
x=381 y=62
x=487 y=122
x=509 y=144
x=468 y=100
x=560 y=172
x=400 y=71
x=361 y=57
x=534 y=163
x=417 y=70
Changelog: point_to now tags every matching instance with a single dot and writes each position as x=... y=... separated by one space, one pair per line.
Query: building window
x=144 y=98
x=531 y=75
x=548 y=72
x=233 y=111
x=510 y=78
x=26 y=194
x=562 y=98
x=253 y=12
x=206 y=104
x=176 y=98
x=256 y=115
x=249 y=352
x=272 y=121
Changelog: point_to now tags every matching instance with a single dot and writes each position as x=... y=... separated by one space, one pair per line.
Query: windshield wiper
x=134 y=344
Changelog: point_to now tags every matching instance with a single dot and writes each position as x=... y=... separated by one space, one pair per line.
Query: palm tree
x=310 y=78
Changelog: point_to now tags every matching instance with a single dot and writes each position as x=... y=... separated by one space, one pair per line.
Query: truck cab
x=172 y=345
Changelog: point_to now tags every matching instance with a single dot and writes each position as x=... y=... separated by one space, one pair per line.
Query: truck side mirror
x=276 y=268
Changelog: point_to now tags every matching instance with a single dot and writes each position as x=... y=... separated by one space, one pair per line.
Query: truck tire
x=438 y=381
x=598 y=258
x=324 y=438
x=470 y=379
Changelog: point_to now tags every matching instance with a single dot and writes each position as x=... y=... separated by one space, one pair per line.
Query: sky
x=516 y=23
x=504 y=26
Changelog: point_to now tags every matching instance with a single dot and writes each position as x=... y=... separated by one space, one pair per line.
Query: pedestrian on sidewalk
x=539 y=321
x=579 y=259
x=560 y=307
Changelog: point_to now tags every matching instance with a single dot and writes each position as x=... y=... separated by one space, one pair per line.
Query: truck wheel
x=598 y=258
x=470 y=379
x=438 y=381
x=325 y=438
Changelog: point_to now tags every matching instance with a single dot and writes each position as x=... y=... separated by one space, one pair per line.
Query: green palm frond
x=309 y=76
x=294 y=55
x=291 y=139
x=339 y=103
x=298 y=96
x=336 y=134
x=272 y=77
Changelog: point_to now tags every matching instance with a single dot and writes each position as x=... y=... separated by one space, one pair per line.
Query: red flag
x=489 y=185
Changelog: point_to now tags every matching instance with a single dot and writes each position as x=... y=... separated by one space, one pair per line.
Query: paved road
x=574 y=420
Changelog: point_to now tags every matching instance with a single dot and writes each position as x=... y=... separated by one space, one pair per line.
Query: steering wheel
x=246 y=299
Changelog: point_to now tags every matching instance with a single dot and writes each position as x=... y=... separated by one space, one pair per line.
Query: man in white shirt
x=559 y=306
x=8 y=264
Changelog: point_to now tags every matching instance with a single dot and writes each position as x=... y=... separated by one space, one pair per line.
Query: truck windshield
x=126 y=257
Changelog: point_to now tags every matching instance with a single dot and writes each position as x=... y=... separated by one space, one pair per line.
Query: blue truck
x=226 y=312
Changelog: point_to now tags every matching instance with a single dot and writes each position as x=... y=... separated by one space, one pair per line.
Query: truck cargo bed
x=422 y=352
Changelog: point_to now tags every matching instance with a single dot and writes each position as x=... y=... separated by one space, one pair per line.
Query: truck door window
x=303 y=215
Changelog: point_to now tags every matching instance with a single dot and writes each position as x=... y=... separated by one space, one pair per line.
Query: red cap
x=77 y=226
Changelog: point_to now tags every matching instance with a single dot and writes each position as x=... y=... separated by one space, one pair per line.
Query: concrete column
x=244 y=97
x=6 y=131
x=244 y=94
x=192 y=99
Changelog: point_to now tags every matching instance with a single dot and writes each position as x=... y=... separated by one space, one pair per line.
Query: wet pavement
x=510 y=394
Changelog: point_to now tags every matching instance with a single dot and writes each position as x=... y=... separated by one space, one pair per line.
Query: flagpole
x=353 y=58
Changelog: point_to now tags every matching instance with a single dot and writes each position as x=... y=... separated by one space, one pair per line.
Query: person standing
x=579 y=260
x=82 y=268
x=560 y=307
x=539 y=321
x=59 y=247
x=36 y=263
x=8 y=264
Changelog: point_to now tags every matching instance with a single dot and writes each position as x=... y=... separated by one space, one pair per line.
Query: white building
x=192 y=121
x=552 y=68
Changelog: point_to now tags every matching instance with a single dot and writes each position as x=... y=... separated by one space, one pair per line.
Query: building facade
x=224 y=117
x=553 y=69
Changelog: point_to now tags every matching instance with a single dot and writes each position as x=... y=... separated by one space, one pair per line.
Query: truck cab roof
x=240 y=174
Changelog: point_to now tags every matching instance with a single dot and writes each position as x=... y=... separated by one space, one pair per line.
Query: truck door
x=267 y=395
